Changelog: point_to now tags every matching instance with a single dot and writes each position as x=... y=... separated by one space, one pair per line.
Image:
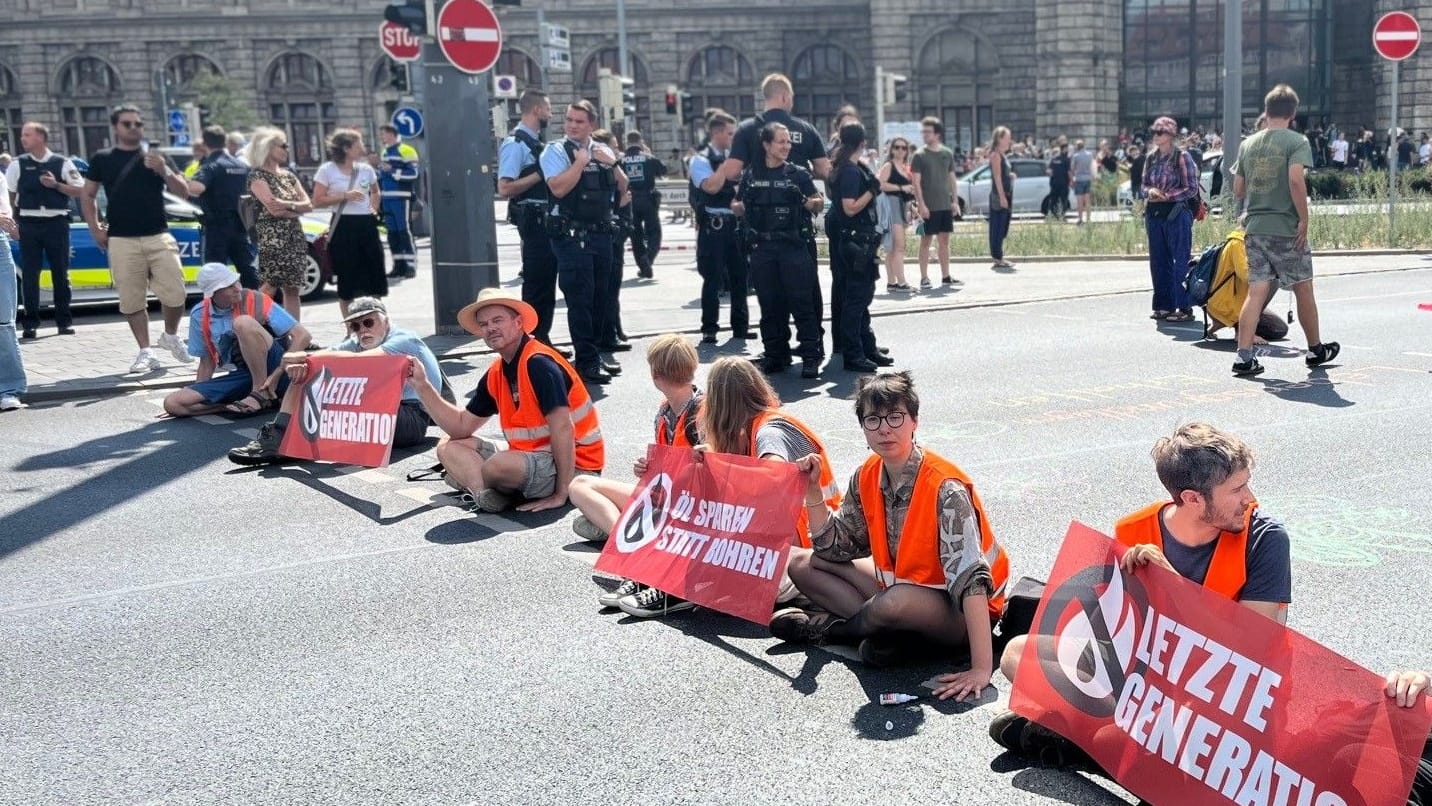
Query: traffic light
x=688 y=107
x=671 y=99
x=609 y=95
x=896 y=88
x=411 y=14
x=628 y=99
x=398 y=77
x=205 y=119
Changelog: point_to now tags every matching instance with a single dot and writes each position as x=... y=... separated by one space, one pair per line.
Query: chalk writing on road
x=1347 y=534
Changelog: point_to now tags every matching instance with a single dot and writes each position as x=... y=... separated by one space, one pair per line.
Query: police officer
x=397 y=181
x=719 y=257
x=854 y=241
x=776 y=197
x=584 y=179
x=643 y=169
x=613 y=338
x=521 y=183
x=219 y=182
x=42 y=183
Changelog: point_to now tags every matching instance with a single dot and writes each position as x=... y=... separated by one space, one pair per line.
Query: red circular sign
x=1396 y=35
x=469 y=35
x=398 y=42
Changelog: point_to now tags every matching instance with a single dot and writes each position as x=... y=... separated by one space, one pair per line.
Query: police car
x=90 y=280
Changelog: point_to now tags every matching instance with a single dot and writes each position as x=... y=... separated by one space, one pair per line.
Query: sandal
x=1179 y=316
x=264 y=399
x=1160 y=314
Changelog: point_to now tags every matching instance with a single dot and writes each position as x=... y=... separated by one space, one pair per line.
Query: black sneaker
x=1251 y=367
x=771 y=366
x=1036 y=742
x=652 y=602
x=810 y=369
x=629 y=587
x=801 y=626
x=262 y=450
x=708 y=338
x=883 y=651
x=1322 y=354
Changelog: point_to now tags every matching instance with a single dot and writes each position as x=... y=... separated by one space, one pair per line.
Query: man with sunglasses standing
x=369 y=333
x=143 y=256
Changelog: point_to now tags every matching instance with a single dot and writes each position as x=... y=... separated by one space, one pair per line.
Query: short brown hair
x=934 y=123
x=1199 y=457
x=719 y=119
x=40 y=129
x=672 y=358
x=531 y=99
x=775 y=84
x=886 y=391
x=1281 y=102
x=588 y=107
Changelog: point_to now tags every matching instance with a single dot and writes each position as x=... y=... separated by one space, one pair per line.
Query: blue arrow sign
x=178 y=121
x=408 y=121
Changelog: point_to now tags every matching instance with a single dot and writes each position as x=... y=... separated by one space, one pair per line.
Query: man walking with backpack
x=1269 y=175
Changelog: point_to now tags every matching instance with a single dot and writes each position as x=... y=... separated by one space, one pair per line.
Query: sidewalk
x=94 y=361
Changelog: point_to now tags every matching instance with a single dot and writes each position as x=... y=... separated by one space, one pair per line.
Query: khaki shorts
x=540 y=479
x=144 y=264
x=1274 y=257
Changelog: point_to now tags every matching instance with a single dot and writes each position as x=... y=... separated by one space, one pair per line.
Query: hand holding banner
x=1189 y=699
x=711 y=528
x=347 y=409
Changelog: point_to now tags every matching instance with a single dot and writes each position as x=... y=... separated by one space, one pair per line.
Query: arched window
x=954 y=81
x=10 y=120
x=180 y=72
x=300 y=100
x=608 y=58
x=519 y=65
x=825 y=77
x=90 y=87
x=719 y=76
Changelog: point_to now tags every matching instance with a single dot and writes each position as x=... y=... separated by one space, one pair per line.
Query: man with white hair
x=234 y=143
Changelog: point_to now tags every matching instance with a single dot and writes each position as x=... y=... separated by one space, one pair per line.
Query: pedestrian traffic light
x=628 y=99
x=204 y=117
x=688 y=107
x=609 y=95
x=671 y=99
x=398 y=77
x=411 y=14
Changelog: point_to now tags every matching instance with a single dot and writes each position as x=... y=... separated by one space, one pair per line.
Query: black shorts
x=412 y=424
x=940 y=221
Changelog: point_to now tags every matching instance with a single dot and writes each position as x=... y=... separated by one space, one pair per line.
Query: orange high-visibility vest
x=1228 y=569
x=524 y=426
x=247 y=307
x=679 y=438
x=828 y=490
x=917 y=558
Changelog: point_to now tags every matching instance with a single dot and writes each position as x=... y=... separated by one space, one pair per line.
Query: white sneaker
x=176 y=348
x=10 y=403
x=144 y=362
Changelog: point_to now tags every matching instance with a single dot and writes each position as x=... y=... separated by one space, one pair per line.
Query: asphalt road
x=179 y=631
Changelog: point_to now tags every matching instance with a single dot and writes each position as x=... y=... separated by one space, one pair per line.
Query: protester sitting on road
x=1211 y=533
x=238 y=326
x=1405 y=688
x=544 y=410
x=909 y=555
x=673 y=363
x=370 y=333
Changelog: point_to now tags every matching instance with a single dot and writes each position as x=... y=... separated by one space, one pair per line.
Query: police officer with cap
x=219 y=182
x=643 y=169
x=776 y=199
x=719 y=257
x=521 y=183
x=397 y=181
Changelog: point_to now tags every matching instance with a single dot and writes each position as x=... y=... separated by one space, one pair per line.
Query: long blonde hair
x=999 y=134
x=736 y=392
x=261 y=146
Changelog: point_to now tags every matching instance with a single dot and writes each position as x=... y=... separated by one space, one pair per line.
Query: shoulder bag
x=321 y=243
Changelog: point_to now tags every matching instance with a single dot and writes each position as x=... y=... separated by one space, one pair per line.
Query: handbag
x=249 y=208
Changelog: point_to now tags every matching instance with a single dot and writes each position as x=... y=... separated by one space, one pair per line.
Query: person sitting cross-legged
x=234 y=325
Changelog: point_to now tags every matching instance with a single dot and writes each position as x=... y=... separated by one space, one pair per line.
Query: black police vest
x=538 y=192
x=32 y=195
x=866 y=220
x=774 y=202
x=228 y=180
x=635 y=164
x=592 y=201
x=721 y=198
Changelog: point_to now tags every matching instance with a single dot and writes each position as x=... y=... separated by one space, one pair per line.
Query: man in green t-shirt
x=932 y=175
x=1269 y=178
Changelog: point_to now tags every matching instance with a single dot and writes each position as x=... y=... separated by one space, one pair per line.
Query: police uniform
x=520 y=157
x=719 y=257
x=854 y=241
x=397 y=187
x=613 y=335
x=642 y=170
x=226 y=241
x=43 y=217
x=778 y=228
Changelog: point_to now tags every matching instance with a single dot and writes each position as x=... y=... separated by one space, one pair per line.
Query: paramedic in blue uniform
x=643 y=169
x=520 y=182
x=221 y=179
x=397 y=182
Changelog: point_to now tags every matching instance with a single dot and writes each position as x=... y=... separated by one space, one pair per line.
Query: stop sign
x=398 y=42
x=1396 y=35
x=469 y=35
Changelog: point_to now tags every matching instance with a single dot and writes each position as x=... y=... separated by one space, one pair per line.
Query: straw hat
x=487 y=297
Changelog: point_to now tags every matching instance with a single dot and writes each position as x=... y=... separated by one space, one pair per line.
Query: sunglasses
x=132 y=124
x=280 y=145
x=1157 y=132
x=366 y=323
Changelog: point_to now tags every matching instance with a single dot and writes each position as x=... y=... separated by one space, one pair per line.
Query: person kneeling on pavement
x=234 y=325
x=546 y=415
x=370 y=333
x=908 y=559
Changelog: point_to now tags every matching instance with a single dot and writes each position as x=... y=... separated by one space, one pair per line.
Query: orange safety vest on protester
x=246 y=307
x=523 y=424
x=828 y=490
x=678 y=439
x=917 y=559
x=1228 y=569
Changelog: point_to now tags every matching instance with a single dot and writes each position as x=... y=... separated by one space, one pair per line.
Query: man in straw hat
x=544 y=410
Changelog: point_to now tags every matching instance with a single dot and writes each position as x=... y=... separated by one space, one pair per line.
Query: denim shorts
x=1081 y=186
x=231 y=387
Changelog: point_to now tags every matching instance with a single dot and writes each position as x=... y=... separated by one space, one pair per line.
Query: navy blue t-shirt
x=548 y=380
x=1269 y=566
x=850 y=183
x=806 y=145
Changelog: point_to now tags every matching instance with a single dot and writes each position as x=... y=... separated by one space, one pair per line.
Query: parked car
x=1031 y=185
x=90 y=279
x=1205 y=180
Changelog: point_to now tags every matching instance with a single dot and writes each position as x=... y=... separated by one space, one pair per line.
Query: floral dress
x=283 y=251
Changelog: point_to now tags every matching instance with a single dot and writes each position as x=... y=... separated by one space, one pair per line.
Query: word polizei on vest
x=348 y=410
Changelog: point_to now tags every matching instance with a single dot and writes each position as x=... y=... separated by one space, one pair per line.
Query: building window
x=390 y=80
x=719 y=77
x=826 y=78
x=300 y=97
x=10 y=113
x=180 y=72
x=608 y=58
x=90 y=87
x=524 y=68
x=954 y=81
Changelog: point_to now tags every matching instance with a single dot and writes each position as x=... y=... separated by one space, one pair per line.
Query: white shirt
x=69 y=174
x=5 y=198
x=329 y=174
x=1424 y=152
x=1339 y=150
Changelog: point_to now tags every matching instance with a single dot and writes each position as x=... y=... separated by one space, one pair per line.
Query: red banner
x=1190 y=699
x=347 y=409
x=712 y=528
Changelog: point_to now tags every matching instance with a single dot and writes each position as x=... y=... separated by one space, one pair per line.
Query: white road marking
x=1420 y=355
x=213 y=419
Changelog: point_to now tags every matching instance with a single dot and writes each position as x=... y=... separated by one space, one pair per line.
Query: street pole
x=623 y=60
x=417 y=82
x=542 y=48
x=1392 y=163
x=1232 y=88
x=878 y=136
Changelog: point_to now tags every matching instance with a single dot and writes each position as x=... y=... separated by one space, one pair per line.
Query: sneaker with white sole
x=629 y=587
x=176 y=348
x=588 y=531
x=494 y=501
x=144 y=362
x=652 y=602
x=10 y=403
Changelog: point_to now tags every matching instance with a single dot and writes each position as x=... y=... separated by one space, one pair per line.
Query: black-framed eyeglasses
x=871 y=422
x=366 y=323
x=132 y=124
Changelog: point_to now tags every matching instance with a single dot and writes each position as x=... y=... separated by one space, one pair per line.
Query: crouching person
x=234 y=325
x=370 y=332
x=908 y=557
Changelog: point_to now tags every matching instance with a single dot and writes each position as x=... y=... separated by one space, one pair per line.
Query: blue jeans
x=1170 y=240
x=998 y=231
x=12 y=367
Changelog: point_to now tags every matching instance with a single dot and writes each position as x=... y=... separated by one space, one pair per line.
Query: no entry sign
x=398 y=42
x=1396 y=35
x=469 y=35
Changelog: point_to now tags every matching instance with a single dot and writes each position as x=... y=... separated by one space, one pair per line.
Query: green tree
x=225 y=100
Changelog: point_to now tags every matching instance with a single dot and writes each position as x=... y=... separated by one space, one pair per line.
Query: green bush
x=1328 y=184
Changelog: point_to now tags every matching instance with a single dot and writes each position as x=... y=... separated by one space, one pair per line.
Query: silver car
x=1031 y=186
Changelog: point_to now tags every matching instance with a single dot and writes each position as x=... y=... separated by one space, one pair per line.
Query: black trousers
x=539 y=273
x=721 y=263
x=612 y=294
x=645 y=229
x=584 y=265
x=225 y=241
x=44 y=239
x=852 y=289
x=784 y=275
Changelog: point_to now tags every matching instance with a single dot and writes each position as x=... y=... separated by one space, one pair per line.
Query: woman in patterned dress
x=283 y=251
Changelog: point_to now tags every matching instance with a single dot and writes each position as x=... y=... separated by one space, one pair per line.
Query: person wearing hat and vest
x=909 y=554
x=1211 y=533
x=242 y=327
x=370 y=333
x=42 y=183
x=543 y=408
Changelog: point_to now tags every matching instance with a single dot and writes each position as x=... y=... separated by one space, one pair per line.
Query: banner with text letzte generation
x=347 y=409
x=711 y=528
x=1189 y=699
